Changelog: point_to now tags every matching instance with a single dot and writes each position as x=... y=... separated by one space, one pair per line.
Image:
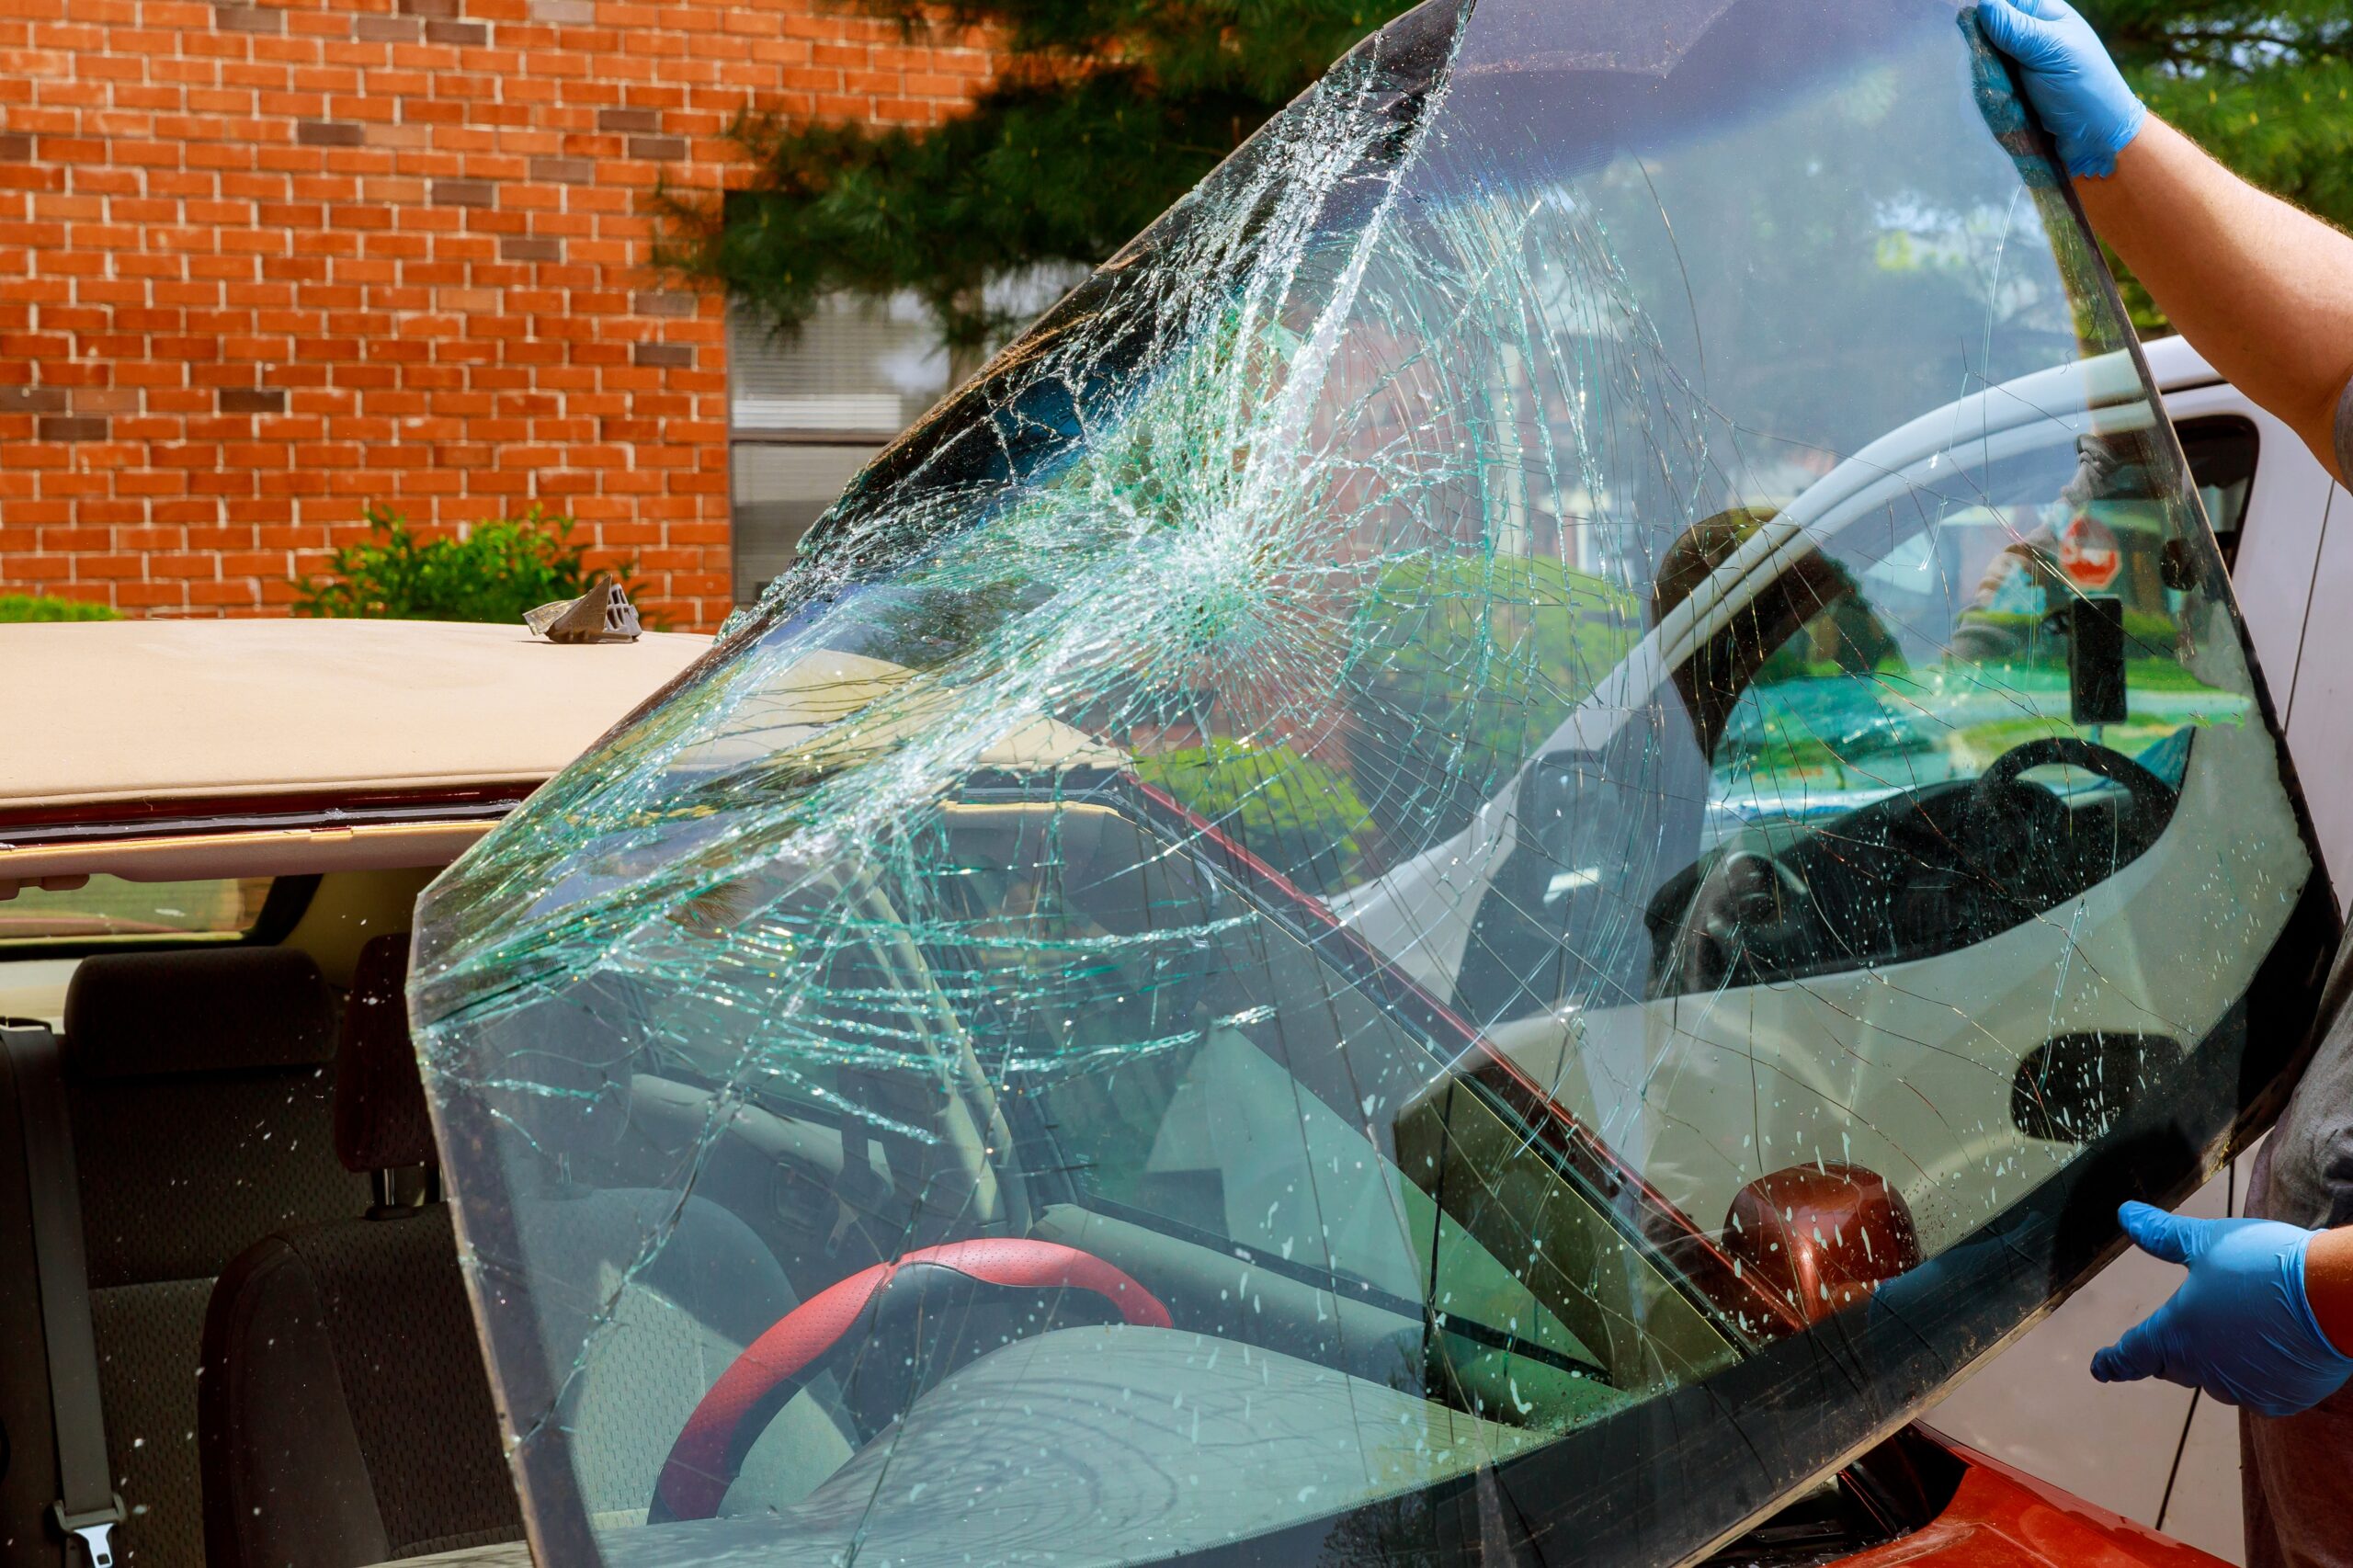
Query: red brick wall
x=263 y=263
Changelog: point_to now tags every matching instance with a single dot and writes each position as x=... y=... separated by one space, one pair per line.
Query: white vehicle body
x=2153 y=1451
x=1711 y=1087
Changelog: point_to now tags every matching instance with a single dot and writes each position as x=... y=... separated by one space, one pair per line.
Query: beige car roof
x=800 y=709
x=135 y=710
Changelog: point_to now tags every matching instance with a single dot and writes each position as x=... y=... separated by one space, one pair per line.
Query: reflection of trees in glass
x=1492 y=653
x=1847 y=639
x=1299 y=816
x=1764 y=271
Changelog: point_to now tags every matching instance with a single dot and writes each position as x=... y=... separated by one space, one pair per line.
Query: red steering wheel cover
x=703 y=1461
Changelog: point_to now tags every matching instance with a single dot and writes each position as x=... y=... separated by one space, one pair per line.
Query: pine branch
x=1105 y=113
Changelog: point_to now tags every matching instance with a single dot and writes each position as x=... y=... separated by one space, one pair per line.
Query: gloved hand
x=2240 y=1326
x=2074 y=85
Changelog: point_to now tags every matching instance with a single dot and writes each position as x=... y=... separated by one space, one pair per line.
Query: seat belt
x=86 y=1507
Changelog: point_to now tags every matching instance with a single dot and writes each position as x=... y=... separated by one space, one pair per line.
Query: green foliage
x=2262 y=86
x=1108 y=111
x=1299 y=816
x=1492 y=653
x=499 y=569
x=41 y=606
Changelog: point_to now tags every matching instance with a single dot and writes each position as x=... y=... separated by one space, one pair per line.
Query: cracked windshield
x=1504 y=843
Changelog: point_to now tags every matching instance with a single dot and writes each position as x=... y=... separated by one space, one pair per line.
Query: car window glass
x=1923 y=738
x=1155 y=1076
x=1505 y=842
x=110 y=909
x=2222 y=453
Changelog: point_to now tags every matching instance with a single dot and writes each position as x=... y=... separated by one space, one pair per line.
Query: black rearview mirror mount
x=2095 y=661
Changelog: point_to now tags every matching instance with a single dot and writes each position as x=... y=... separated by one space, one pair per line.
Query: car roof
x=154 y=710
x=800 y=713
x=2175 y=366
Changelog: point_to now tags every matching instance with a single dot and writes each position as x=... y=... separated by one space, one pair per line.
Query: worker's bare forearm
x=2263 y=289
x=2329 y=1284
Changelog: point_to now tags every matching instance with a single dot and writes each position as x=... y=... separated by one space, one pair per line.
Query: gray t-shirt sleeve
x=2344 y=432
x=2309 y=1176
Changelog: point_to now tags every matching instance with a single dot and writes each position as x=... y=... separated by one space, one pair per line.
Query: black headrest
x=150 y=1015
x=380 y=1121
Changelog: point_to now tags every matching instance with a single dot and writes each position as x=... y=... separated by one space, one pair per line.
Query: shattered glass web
x=1455 y=709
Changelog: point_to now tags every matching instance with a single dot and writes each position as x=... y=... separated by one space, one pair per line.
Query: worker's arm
x=2265 y=1318
x=2263 y=289
x=2328 y=1283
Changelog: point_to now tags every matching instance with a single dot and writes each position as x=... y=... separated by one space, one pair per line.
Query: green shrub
x=41 y=606
x=494 y=571
x=1478 y=659
x=1296 y=813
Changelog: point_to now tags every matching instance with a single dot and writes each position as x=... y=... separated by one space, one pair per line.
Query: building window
x=807 y=409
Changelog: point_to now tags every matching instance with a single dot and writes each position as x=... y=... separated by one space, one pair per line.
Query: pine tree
x=1108 y=110
x=1105 y=112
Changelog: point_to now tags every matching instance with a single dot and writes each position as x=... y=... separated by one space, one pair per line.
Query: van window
x=2222 y=452
x=1912 y=767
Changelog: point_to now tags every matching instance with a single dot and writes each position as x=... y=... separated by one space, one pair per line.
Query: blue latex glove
x=2074 y=85
x=2240 y=1326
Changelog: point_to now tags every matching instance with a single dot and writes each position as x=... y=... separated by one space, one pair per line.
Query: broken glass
x=1508 y=839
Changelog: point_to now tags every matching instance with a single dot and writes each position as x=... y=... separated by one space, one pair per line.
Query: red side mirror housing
x=1821 y=1237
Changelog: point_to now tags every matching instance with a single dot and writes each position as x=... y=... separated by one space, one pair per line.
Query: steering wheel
x=1988 y=821
x=1745 y=890
x=886 y=1299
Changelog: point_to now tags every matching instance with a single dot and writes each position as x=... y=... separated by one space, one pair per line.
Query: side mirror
x=1821 y=1238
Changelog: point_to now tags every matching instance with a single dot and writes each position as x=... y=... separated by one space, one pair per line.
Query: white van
x=1721 y=1055
x=2152 y=1451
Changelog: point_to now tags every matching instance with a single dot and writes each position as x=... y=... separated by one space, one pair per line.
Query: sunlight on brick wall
x=263 y=263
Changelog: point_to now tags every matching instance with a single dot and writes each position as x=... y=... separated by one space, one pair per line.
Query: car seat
x=197 y=1087
x=344 y=1417
x=345 y=1414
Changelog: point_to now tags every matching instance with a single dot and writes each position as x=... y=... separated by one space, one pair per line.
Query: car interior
x=1122 y=1179
x=290 y=1370
x=1936 y=867
x=288 y=1365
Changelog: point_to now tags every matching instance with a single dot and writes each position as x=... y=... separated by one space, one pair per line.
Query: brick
x=431 y=240
x=248 y=18
x=71 y=428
